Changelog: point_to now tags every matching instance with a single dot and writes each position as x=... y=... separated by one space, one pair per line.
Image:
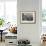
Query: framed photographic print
x=28 y=17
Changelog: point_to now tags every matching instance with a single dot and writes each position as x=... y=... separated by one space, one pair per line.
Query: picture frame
x=28 y=17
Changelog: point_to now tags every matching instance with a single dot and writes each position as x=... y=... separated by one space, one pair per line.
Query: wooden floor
x=2 y=43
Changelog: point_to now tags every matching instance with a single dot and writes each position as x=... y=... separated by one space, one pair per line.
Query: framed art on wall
x=28 y=17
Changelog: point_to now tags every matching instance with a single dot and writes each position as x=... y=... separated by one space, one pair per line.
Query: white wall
x=30 y=31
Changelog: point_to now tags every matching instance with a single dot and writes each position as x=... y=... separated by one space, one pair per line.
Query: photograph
x=28 y=17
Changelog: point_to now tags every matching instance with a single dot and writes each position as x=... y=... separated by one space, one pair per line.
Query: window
x=1 y=8
x=8 y=10
x=43 y=12
x=43 y=16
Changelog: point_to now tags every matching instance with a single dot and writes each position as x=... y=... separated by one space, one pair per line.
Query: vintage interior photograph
x=22 y=22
